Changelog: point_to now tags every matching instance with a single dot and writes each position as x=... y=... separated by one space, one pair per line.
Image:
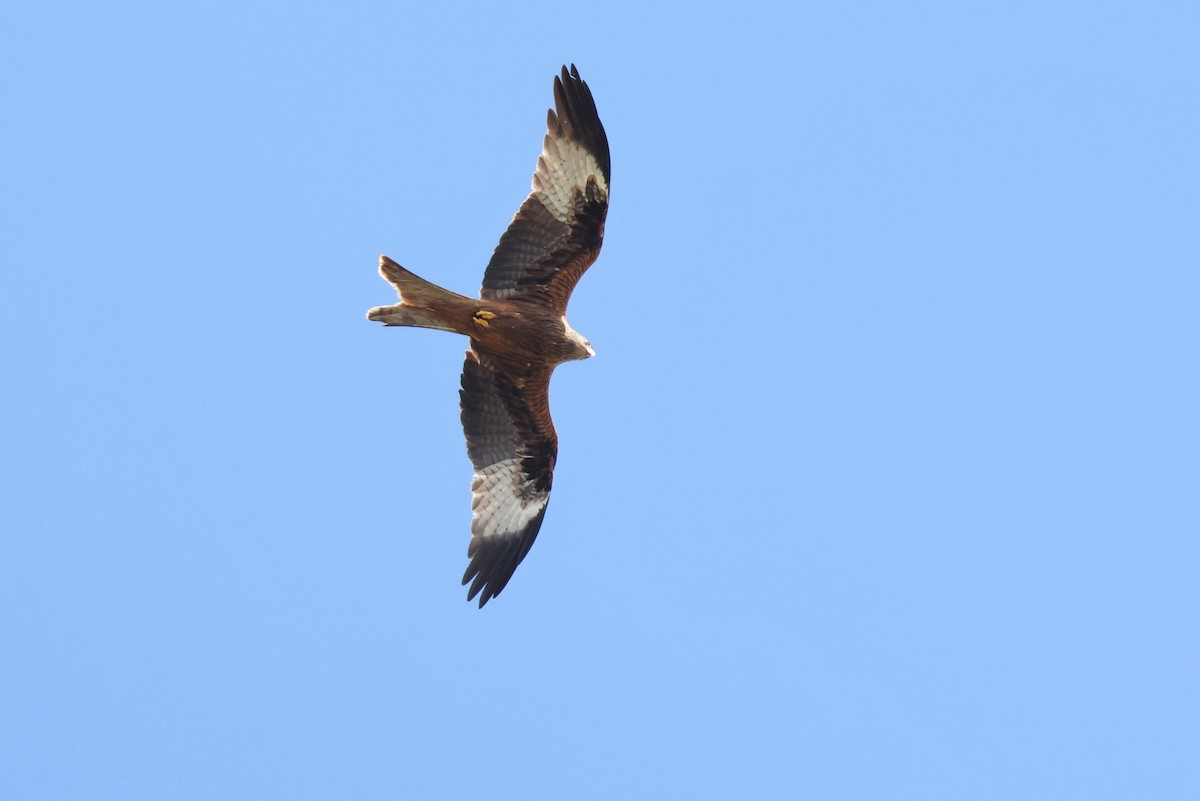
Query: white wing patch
x=563 y=169
x=501 y=501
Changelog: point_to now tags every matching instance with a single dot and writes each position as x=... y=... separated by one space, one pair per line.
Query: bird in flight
x=519 y=333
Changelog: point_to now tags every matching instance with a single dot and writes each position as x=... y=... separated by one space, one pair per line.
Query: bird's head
x=580 y=347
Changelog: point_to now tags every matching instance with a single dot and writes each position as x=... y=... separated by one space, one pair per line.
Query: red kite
x=519 y=334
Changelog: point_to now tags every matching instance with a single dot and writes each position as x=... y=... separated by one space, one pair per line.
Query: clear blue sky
x=884 y=483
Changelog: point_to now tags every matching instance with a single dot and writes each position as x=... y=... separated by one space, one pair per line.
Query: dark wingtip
x=577 y=110
x=494 y=562
x=569 y=75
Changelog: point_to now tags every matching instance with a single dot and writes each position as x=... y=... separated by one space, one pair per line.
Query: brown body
x=522 y=334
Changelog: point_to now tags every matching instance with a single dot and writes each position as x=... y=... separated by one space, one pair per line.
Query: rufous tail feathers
x=422 y=304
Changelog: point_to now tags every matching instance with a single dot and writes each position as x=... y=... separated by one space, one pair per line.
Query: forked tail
x=422 y=304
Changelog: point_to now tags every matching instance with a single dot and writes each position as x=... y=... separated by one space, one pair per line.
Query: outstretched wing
x=512 y=445
x=556 y=234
